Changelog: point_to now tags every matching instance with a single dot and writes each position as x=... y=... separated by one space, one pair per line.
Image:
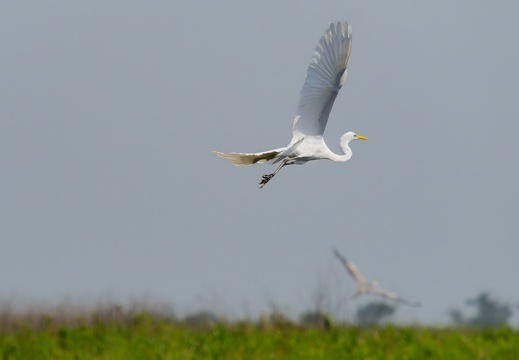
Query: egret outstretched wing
x=351 y=268
x=324 y=78
x=392 y=296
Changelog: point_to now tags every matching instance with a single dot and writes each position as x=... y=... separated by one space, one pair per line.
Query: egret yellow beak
x=360 y=137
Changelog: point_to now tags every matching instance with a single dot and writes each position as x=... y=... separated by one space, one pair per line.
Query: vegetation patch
x=145 y=335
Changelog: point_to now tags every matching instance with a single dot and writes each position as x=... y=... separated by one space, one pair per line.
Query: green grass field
x=143 y=336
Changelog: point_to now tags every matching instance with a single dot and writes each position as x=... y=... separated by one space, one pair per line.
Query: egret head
x=345 y=140
x=349 y=136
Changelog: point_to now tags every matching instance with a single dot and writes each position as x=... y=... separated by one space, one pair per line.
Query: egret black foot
x=265 y=179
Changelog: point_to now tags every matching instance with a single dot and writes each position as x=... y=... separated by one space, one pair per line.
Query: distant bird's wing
x=324 y=78
x=393 y=296
x=244 y=159
x=351 y=268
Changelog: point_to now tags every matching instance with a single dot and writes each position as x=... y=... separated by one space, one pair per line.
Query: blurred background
x=108 y=188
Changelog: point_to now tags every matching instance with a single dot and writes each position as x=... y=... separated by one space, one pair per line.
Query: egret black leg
x=266 y=178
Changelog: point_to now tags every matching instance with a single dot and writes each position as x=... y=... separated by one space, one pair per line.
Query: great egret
x=324 y=78
x=364 y=287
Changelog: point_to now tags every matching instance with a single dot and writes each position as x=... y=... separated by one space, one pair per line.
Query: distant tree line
x=489 y=312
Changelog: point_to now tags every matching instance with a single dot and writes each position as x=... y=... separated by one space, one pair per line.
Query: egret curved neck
x=346 y=153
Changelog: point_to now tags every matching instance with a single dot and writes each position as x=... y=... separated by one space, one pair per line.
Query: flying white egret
x=324 y=78
x=365 y=287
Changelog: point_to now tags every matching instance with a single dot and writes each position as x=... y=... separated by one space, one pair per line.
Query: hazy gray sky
x=110 y=110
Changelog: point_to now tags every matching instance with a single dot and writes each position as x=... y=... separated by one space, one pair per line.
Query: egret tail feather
x=245 y=159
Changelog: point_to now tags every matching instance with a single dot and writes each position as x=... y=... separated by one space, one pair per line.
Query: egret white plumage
x=324 y=78
x=365 y=287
